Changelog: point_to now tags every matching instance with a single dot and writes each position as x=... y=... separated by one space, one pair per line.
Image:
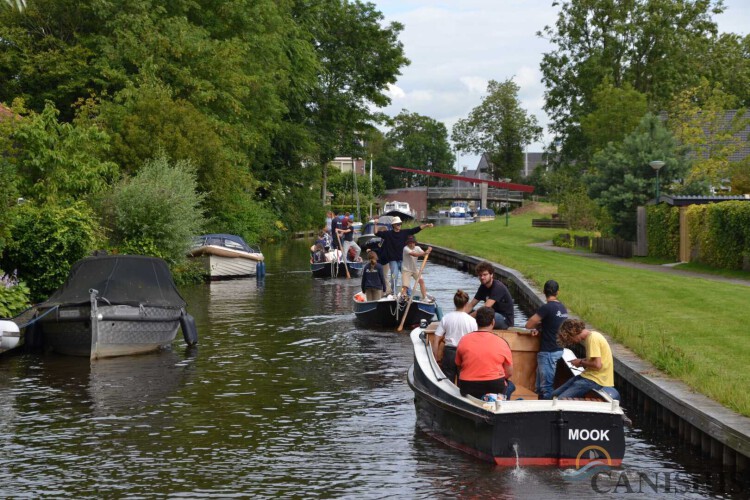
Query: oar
x=413 y=288
x=338 y=237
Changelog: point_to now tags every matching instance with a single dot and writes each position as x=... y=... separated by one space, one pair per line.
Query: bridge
x=474 y=193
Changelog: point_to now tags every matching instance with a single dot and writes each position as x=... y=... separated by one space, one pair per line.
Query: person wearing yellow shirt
x=598 y=363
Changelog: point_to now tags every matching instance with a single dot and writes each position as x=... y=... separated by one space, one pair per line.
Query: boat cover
x=225 y=240
x=122 y=280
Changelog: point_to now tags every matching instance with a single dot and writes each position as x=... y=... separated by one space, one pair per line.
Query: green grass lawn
x=694 y=329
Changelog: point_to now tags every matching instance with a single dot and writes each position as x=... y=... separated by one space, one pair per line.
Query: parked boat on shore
x=389 y=311
x=484 y=215
x=113 y=305
x=227 y=256
x=524 y=430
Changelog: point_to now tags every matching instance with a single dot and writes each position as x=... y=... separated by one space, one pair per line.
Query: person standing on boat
x=394 y=241
x=550 y=316
x=484 y=360
x=346 y=232
x=495 y=295
x=451 y=329
x=410 y=254
x=373 y=280
x=598 y=363
x=335 y=225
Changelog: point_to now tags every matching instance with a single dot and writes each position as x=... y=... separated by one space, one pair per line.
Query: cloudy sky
x=457 y=46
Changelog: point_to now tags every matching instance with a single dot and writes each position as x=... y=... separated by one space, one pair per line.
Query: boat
x=389 y=311
x=399 y=209
x=459 y=209
x=522 y=431
x=112 y=305
x=484 y=215
x=368 y=230
x=336 y=269
x=227 y=256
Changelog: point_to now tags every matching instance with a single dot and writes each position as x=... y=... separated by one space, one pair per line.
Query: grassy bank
x=693 y=329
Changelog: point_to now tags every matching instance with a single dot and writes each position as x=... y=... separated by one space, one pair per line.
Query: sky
x=457 y=46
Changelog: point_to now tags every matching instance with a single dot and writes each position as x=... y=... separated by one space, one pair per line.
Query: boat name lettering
x=586 y=435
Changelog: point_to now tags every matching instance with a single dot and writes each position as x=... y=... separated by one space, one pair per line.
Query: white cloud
x=474 y=84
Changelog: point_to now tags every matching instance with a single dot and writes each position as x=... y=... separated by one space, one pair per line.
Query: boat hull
x=221 y=262
x=563 y=433
x=336 y=269
x=389 y=312
x=121 y=330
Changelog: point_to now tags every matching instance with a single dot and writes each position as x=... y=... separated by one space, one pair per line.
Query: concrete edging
x=686 y=410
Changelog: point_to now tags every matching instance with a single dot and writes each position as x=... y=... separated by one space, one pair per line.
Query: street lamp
x=656 y=165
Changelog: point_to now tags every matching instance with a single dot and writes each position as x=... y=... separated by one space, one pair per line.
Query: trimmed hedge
x=721 y=233
x=663 y=231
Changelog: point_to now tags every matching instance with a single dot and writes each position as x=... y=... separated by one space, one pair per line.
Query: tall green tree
x=419 y=142
x=617 y=112
x=500 y=127
x=657 y=46
x=622 y=178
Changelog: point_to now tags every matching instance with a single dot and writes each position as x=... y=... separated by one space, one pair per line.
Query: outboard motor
x=189 y=330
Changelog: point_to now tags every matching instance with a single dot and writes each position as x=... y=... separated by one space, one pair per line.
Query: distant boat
x=227 y=256
x=368 y=230
x=459 y=209
x=484 y=215
x=112 y=305
x=399 y=209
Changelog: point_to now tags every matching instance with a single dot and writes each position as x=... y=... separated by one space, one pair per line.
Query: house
x=532 y=160
x=347 y=164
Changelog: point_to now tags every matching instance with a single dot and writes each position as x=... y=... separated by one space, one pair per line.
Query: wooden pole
x=338 y=237
x=413 y=288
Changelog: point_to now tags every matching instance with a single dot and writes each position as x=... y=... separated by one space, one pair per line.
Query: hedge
x=663 y=231
x=721 y=233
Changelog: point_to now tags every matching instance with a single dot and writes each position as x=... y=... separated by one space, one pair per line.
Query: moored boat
x=110 y=306
x=227 y=256
x=484 y=215
x=398 y=209
x=368 y=230
x=521 y=431
x=389 y=311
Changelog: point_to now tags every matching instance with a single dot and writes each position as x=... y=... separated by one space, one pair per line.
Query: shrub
x=663 y=230
x=14 y=296
x=721 y=233
x=156 y=212
x=46 y=241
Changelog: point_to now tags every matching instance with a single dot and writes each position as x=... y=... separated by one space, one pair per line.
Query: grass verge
x=690 y=328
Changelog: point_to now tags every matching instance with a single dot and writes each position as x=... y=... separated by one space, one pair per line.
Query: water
x=284 y=396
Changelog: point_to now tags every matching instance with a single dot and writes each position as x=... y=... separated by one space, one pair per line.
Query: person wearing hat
x=410 y=266
x=548 y=319
x=394 y=241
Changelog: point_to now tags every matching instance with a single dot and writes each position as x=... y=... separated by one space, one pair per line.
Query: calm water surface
x=284 y=396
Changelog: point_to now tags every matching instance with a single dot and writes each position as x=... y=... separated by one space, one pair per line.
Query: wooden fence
x=613 y=246
x=556 y=223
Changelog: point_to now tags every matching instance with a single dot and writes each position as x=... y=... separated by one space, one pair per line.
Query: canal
x=284 y=396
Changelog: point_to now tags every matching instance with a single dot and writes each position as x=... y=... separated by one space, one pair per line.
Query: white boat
x=459 y=209
x=227 y=256
x=399 y=209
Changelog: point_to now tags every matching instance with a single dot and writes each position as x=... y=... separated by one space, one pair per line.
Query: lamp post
x=656 y=165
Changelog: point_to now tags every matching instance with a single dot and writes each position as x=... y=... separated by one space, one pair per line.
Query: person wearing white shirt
x=452 y=327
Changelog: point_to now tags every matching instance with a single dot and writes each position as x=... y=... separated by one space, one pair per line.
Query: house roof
x=683 y=201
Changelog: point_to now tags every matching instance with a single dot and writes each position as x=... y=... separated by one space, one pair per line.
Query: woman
x=373 y=280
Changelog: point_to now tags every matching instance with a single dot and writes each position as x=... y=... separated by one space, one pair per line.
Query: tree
x=657 y=46
x=418 y=142
x=704 y=120
x=617 y=112
x=623 y=179
x=499 y=127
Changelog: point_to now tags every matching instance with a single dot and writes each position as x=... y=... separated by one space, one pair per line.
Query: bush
x=721 y=233
x=156 y=212
x=563 y=240
x=243 y=216
x=663 y=230
x=578 y=210
x=46 y=241
x=14 y=296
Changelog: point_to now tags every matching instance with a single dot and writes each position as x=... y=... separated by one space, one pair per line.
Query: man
x=598 y=362
x=410 y=267
x=550 y=316
x=346 y=233
x=450 y=331
x=495 y=295
x=484 y=360
x=394 y=241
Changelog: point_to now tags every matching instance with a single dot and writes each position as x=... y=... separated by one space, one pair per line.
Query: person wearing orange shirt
x=484 y=360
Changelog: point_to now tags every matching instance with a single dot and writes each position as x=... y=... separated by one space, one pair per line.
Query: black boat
x=368 y=231
x=523 y=430
x=389 y=311
x=335 y=269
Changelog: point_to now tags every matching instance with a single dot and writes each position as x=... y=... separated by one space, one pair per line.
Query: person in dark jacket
x=394 y=241
x=373 y=280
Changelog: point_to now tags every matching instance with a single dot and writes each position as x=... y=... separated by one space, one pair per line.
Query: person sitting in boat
x=318 y=253
x=373 y=280
x=411 y=254
x=495 y=295
x=598 y=363
x=451 y=329
x=484 y=360
x=548 y=319
x=394 y=241
x=346 y=233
